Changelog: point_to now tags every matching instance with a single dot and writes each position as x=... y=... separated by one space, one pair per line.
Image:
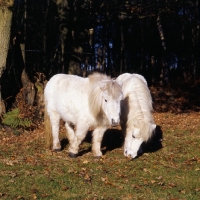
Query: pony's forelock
x=112 y=88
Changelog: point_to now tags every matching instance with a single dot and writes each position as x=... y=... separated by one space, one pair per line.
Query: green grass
x=29 y=171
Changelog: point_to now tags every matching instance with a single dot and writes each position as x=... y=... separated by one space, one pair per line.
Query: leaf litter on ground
x=171 y=171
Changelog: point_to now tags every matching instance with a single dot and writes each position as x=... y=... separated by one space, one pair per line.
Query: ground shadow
x=64 y=142
x=155 y=143
x=114 y=138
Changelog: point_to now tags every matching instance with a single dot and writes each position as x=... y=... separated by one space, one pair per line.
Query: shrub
x=13 y=119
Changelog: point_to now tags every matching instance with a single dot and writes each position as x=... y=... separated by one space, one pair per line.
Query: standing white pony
x=136 y=113
x=81 y=103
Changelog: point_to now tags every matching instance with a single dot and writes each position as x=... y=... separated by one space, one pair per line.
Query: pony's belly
x=77 y=116
x=68 y=118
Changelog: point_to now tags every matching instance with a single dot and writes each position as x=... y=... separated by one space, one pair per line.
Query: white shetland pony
x=136 y=113
x=82 y=103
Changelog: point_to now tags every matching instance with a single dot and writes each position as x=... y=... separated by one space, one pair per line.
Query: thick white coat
x=73 y=99
x=136 y=112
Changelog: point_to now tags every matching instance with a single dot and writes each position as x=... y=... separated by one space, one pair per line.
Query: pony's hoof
x=56 y=150
x=97 y=157
x=72 y=155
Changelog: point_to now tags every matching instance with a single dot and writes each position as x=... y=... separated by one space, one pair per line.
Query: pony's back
x=60 y=83
x=64 y=97
x=137 y=106
x=136 y=85
x=126 y=76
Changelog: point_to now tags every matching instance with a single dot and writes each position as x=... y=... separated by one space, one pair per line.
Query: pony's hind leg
x=70 y=132
x=97 y=134
x=55 y=121
x=80 y=133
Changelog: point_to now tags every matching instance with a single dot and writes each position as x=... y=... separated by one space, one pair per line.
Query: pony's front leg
x=97 y=134
x=80 y=133
x=55 y=120
x=70 y=132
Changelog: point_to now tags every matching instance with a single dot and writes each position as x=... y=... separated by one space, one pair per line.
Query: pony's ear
x=103 y=86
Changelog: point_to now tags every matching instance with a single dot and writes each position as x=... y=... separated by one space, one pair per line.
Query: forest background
x=155 y=38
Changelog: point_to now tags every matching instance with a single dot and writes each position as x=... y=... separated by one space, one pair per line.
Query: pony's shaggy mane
x=111 y=87
x=139 y=108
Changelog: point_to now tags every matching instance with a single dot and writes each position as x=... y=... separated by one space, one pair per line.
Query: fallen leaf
x=146 y=170
x=159 y=178
x=10 y=163
x=153 y=181
x=104 y=179
x=161 y=183
x=85 y=162
x=182 y=191
x=34 y=196
x=65 y=188
x=172 y=184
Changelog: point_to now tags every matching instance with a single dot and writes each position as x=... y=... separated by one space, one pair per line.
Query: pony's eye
x=133 y=136
x=105 y=100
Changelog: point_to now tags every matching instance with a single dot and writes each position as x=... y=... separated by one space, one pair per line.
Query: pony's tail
x=47 y=129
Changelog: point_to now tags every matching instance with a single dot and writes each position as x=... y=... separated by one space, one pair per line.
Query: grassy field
x=169 y=170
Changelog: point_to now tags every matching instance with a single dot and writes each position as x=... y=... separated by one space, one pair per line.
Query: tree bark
x=75 y=62
x=122 y=50
x=62 y=6
x=5 y=26
x=77 y=49
x=28 y=87
x=164 y=71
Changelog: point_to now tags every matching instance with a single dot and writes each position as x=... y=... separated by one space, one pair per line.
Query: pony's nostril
x=114 y=123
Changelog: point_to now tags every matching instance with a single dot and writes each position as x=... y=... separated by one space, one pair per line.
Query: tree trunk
x=5 y=26
x=28 y=86
x=164 y=71
x=91 y=43
x=75 y=62
x=77 y=49
x=122 y=50
x=28 y=89
x=196 y=42
x=62 y=6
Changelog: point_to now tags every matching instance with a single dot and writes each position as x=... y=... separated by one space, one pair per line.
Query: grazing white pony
x=136 y=113
x=83 y=103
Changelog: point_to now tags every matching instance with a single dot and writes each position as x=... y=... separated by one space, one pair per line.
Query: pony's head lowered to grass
x=135 y=137
x=136 y=119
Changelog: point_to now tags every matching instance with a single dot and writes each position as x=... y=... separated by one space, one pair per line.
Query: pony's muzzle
x=130 y=154
x=114 y=122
